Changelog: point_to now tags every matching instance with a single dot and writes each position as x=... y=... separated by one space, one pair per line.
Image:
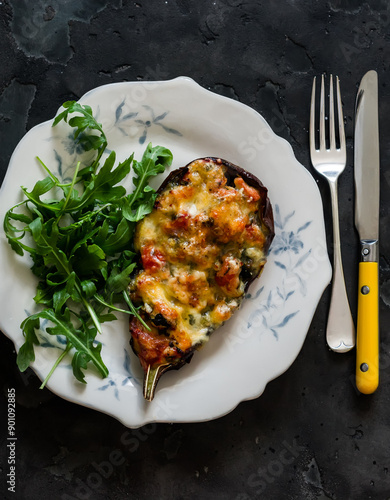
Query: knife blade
x=366 y=153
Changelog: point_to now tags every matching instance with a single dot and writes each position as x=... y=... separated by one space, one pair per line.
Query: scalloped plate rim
x=294 y=162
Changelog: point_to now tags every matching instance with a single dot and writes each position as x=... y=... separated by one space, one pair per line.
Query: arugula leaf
x=159 y=155
x=143 y=206
x=40 y=188
x=78 y=338
x=15 y=234
x=101 y=187
x=87 y=259
x=83 y=123
x=82 y=242
x=60 y=297
x=79 y=362
x=26 y=353
x=89 y=288
x=44 y=294
x=118 y=240
x=119 y=280
x=81 y=358
x=46 y=237
x=139 y=203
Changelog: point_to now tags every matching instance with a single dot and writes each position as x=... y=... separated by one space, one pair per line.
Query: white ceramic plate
x=264 y=337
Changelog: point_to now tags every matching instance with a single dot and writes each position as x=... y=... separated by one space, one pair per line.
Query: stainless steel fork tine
x=332 y=130
x=322 y=116
x=312 y=118
x=340 y=115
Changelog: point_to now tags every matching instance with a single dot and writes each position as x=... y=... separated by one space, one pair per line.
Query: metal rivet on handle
x=365 y=290
x=364 y=367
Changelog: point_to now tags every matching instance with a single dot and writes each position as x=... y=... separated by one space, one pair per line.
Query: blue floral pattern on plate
x=154 y=120
x=115 y=384
x=289 y=248
x=130 y=378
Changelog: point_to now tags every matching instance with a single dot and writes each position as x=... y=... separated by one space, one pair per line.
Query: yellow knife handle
x=367 y=341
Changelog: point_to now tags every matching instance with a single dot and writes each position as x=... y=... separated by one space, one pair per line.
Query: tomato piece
x=228 y=276
x=152 y=259
x=250 y=191
x=179 y=225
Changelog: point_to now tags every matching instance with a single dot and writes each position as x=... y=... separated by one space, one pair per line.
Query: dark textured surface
x=310 y=435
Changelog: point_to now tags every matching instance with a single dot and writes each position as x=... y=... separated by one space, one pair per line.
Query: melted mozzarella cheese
x=202 y=229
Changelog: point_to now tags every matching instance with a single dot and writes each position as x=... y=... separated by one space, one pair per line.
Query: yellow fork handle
x=367 y=341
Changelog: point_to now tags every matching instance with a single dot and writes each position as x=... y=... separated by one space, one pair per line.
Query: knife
x=366 y=147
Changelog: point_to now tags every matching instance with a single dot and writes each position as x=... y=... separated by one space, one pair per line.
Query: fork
x=330 y=162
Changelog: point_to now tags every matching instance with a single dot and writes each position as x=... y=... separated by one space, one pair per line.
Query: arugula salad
x=81 y=242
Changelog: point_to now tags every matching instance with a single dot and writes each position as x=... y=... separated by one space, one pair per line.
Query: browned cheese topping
x=199 y=247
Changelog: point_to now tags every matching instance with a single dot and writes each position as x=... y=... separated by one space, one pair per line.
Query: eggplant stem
x=152 y=376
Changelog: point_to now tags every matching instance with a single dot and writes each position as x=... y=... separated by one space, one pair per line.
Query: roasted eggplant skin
x=163 y=346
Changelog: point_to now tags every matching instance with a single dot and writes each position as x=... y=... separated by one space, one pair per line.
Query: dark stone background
x=310 y=435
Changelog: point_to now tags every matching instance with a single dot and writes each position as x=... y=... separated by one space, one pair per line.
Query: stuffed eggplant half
x=200 y=248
